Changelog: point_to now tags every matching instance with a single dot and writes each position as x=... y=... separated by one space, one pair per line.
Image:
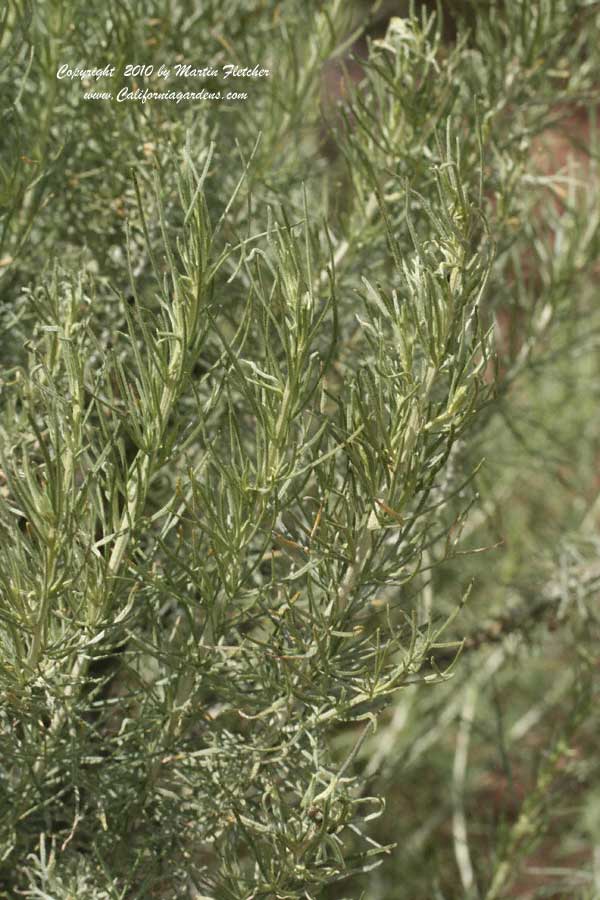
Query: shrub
x=276 y=373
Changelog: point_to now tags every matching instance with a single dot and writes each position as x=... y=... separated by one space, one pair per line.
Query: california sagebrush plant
x=297 y=456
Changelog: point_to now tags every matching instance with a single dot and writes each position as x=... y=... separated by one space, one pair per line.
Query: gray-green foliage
x=250 y=375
